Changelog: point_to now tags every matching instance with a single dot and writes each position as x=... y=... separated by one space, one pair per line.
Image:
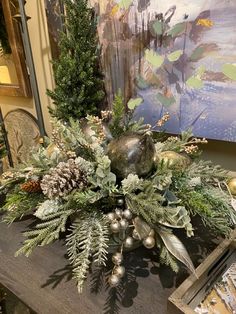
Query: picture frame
x=22 y=88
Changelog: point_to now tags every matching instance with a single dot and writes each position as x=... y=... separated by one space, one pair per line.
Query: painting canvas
x=173 y=56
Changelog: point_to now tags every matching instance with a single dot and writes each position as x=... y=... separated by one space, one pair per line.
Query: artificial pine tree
x=79 y=84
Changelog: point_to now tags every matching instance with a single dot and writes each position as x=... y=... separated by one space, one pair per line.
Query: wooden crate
x=192 y=291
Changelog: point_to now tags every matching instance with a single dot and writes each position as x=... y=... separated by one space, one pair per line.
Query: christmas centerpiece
x=110 y=185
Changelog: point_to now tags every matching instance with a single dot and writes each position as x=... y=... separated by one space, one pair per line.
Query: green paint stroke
x=230 y=71
x=194 y=82
x=153 y=58
x=165 y=101
x=158 y=27
x=125 y=4
x=134 y=102
x=177 y=30
x=175 y=55
x=197 y=54
x=141 y=83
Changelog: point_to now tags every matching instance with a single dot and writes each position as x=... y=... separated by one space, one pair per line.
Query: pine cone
x=62 y=179
x=31 y=186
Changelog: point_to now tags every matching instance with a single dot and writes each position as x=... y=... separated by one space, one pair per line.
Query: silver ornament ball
x=114 y=280
x=127 y=214
x=119 y=271
x=129 y=242
x=120 y=202
x=119 y=212
x=111 y=216
x=115 y=226
x=124 y=224
x=149 y=242
x=117 y=258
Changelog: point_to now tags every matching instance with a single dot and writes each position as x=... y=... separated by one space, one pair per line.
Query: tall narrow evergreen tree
x=79 y=83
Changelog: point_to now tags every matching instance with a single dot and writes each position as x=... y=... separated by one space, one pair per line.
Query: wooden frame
x=16 y=44
x=198 y=284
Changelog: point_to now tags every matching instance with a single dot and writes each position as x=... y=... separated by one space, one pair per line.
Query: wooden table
x=42 y=280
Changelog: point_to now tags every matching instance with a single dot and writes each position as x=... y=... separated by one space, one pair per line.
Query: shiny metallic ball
x=119 y=271
x=132 y=153
x=232 y=186
x=124 y=224
x=127 y=214
x=111 y=216
x=174 y=160
x=119 y=212
x=117 y=258
x=135 y=235
x=114 y=280
x=115 y=226
x=129 y=242
x=149 y=242
x=120 y=201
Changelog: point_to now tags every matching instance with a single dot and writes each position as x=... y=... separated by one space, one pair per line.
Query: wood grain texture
x=146 y=290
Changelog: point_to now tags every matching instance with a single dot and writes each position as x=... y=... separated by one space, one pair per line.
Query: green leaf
x=125 y=4
x=152 y=57
x=194 y=82
x=174 y=56
x=166 y=101
x=158 y=27
x=201 y=70
x=141 y=83
x=134 y=102
x=176 y=248
x=177 y=29
x=229 y=70
x=197 y=54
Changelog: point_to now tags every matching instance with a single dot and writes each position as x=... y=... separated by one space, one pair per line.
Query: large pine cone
x=62 y=179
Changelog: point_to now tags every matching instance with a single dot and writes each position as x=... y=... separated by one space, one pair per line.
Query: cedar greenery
x=79 y=85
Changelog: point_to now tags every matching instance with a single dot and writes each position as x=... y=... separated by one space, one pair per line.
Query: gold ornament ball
x=232 y=186
x=129 y=242
x=117 y=258
x=115 y=226
x=114 y=280
x=127 y=214
x=119 y=271
x=124 y=224
x=149 y=242
x=119 y=213
x=111 y=216
x=174 y=160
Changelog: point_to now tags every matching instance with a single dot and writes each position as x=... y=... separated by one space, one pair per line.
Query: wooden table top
x=42 y=281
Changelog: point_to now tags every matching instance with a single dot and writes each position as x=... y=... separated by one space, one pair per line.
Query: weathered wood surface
x=34 y=280
x=191 y=290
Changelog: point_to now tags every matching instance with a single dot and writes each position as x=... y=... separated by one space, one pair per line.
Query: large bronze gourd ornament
x=132 y=153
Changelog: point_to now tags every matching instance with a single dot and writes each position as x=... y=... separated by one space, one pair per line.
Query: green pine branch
x=19 y=204
x=167 y=258
x=45 y=232
x=88 y=238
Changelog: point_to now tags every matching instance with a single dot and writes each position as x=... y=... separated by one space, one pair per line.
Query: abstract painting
x=173 y=56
